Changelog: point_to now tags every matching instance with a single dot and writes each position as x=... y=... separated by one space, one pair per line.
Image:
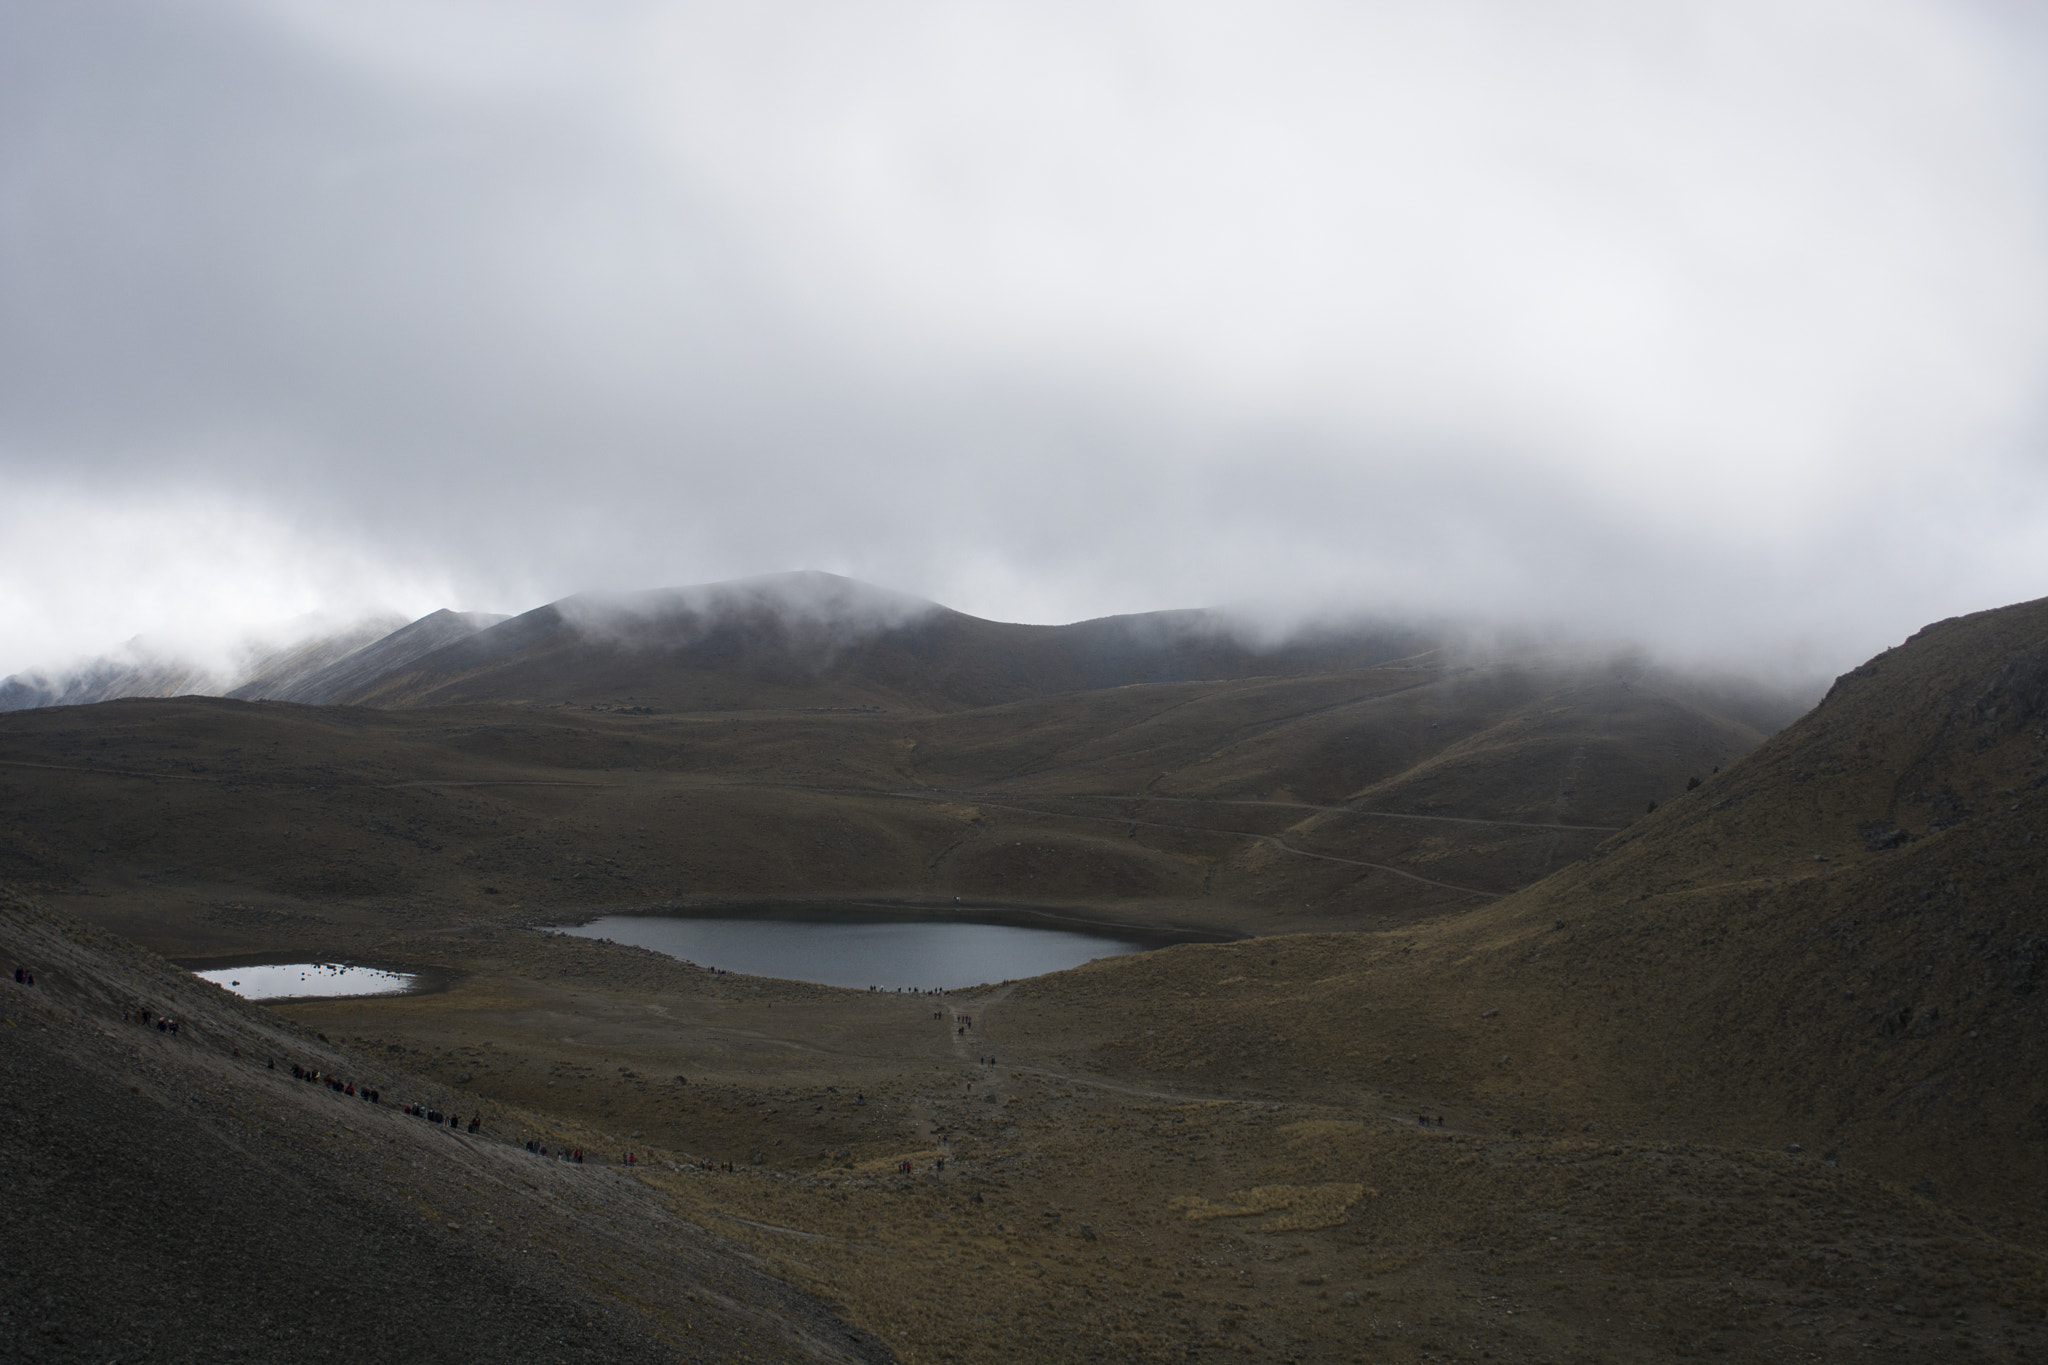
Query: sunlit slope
x=1761 y=960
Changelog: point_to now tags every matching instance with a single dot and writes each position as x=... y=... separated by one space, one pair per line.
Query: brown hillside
x=1836 y=942
x=1332 y=801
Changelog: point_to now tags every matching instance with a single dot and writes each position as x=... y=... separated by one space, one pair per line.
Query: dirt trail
x=956 y=793
x=1269 y=839
x=983 y=1010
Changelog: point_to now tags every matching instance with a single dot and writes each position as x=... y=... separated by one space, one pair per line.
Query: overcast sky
x=1720 y=325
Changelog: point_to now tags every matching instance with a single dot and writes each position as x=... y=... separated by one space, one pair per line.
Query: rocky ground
x=176 y=1198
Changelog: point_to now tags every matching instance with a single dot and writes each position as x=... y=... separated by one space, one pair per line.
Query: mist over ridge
x=803 y=628
x=1717 y=328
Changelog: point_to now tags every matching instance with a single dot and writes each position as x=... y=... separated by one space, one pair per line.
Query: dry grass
x=1701 y=1093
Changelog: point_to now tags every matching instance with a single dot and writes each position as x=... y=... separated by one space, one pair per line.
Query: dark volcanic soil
x=168 y=1200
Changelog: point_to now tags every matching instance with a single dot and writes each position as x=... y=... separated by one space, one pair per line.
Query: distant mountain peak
x=804 y=596
x=274 y=663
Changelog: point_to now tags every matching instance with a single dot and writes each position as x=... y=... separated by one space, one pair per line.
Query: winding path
x=982 y=1008
x=1273 y=839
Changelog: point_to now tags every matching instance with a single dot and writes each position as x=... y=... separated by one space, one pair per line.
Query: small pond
x=848 y=948
x=311 y=980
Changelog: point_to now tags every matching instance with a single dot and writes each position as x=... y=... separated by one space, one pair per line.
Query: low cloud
x=815 y=615
x=1721 y=328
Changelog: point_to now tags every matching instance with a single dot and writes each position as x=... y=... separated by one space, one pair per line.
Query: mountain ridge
x=814 y=637
x=1759 y=1069
x=260 y=667
x=338 y=674
x=801 y=639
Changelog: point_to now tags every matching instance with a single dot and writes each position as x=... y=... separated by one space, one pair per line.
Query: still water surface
x=836 y=950
x=284 y=980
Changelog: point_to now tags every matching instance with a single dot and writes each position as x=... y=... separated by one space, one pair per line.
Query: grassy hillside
x=1836 y=942
x=1756 y=1075
x=1346 y=800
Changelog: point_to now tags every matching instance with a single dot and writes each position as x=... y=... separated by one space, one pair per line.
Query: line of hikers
x=24 y=977
x=365 y=1093
x=163 y=1025
x=339 y=1087
x=371 y=1096
x=476 y=1121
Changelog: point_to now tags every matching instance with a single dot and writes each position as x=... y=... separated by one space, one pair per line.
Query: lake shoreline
x=852 y=945
x=882 y=909
x=427 y=979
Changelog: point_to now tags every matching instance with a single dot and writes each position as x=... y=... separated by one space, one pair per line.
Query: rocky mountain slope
x=260 y=668
x=105 y=680
x=339 y=674
x=175 y=1197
